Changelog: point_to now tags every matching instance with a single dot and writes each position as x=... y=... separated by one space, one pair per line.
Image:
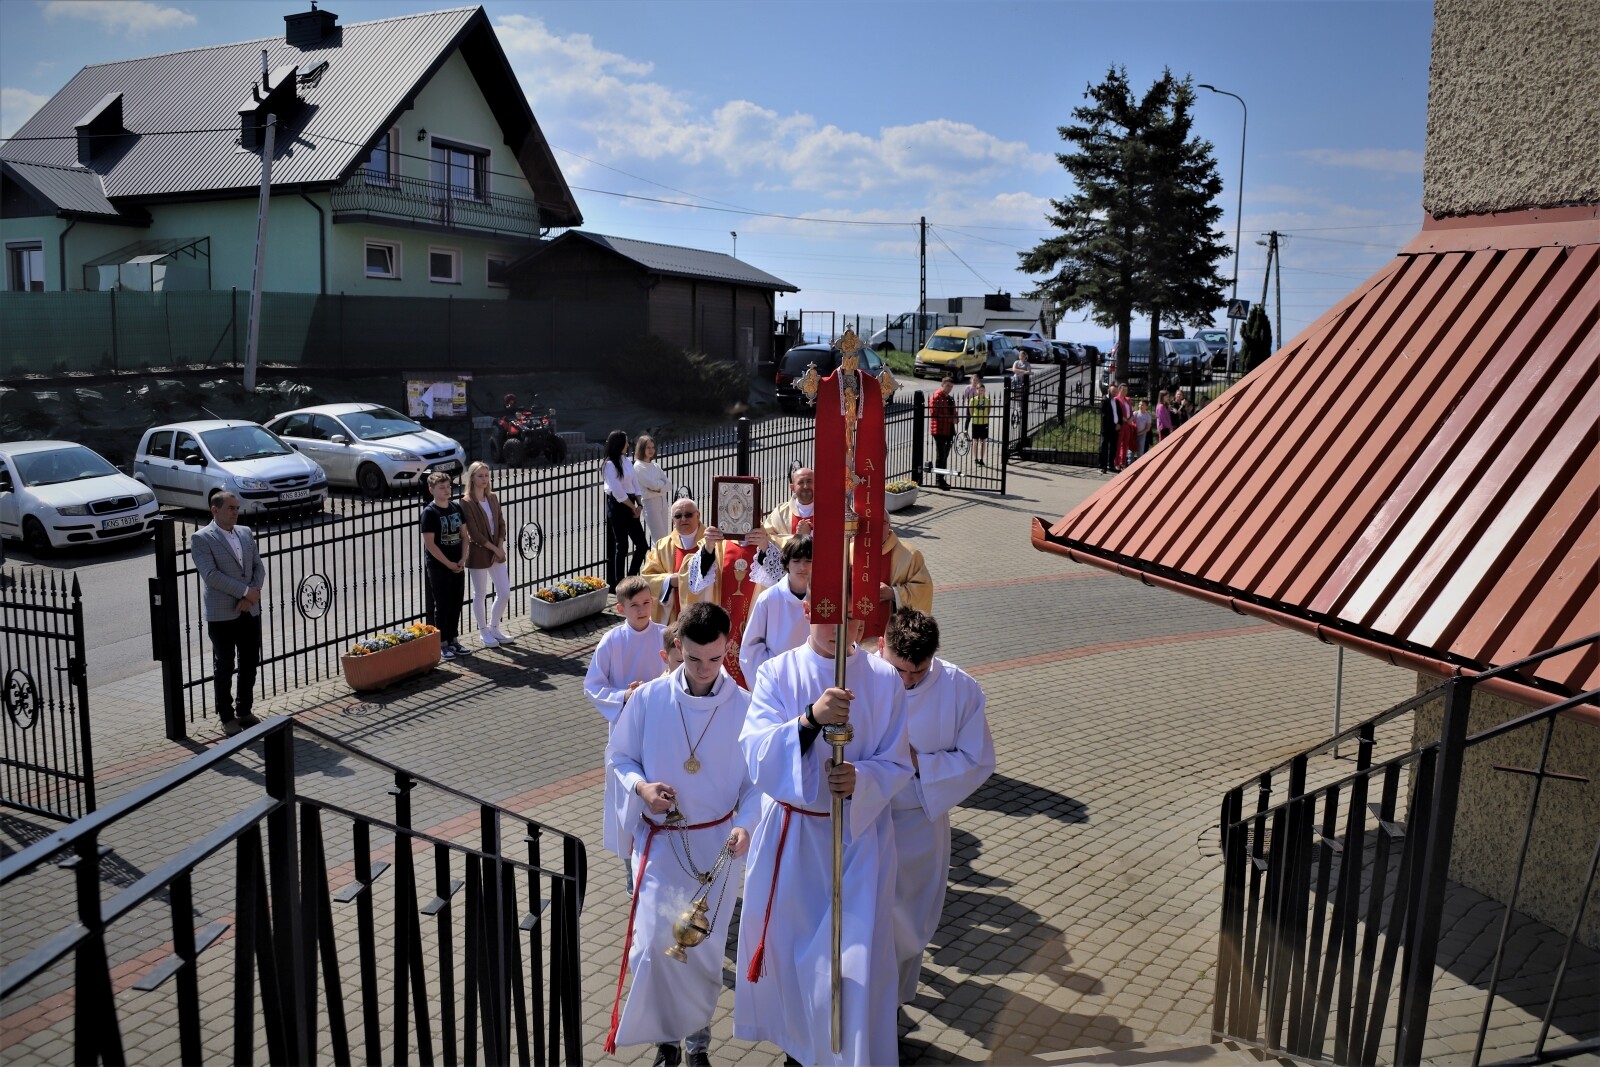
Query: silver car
x=58 y=493
x=185 y=463
x=368 y=446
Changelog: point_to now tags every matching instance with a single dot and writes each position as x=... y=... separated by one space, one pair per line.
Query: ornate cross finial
x=810 y=382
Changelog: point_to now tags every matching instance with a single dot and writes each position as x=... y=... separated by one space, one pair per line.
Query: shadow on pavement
x=1012 y=796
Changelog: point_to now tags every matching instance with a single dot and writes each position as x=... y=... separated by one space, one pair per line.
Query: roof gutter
x=322 y=243
x=61 y=253
x=1404 y=658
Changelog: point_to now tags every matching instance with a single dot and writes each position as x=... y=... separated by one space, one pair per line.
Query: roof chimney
x=309 y=29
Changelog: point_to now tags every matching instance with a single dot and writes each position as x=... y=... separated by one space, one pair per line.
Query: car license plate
x=117 y=524
x=294 y=494
x=452 y=467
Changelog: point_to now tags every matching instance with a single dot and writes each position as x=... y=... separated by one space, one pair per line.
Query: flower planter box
x=566 y=612
x=378 y=669
x=896 y=501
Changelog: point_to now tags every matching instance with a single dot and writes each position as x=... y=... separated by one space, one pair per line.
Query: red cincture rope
x=638 y=884
x=755 y=970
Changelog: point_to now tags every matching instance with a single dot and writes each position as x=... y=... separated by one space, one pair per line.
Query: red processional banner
x=830 y=601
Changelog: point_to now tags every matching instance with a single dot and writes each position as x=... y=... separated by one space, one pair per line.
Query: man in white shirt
x=953 y=754
x=685 y=796
x=778 y=621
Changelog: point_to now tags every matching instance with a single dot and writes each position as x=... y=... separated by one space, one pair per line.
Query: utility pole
x=252 y=345
x=922 y=280
x=1277 y=259
x=1272 y=253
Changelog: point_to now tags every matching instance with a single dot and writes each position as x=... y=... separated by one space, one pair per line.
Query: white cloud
x=16 y=107
x=132 y=18
x=607 y=99
x=1383 y=160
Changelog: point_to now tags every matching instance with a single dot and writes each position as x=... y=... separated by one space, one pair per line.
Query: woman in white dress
x=654 y=487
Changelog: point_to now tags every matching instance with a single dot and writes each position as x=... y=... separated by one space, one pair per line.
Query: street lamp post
x=1238 y=218
x=735 y=235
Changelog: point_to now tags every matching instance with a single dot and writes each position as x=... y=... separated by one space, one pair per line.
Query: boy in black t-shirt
x=444 y=546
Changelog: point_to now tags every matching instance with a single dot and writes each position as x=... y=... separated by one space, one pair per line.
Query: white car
x=57 y=493
x=368 y=446
x=185 y=463
x=1031 y=342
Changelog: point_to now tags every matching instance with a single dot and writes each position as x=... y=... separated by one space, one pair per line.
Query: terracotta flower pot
x=548 y=616
x=405 y=660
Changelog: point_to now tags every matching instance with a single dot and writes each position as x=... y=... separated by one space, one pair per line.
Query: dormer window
x=462 y=168
x=383 y=164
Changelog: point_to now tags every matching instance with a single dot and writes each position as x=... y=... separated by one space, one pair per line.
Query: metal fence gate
x=48 y=764
x=973 y=455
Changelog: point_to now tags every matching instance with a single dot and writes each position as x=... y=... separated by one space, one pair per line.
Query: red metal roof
x=1416 y=475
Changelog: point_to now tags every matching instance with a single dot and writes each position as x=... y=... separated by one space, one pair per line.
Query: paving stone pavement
x=1085 y=880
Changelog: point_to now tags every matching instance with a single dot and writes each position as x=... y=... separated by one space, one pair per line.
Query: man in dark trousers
x=942 y=424
x=229 y=565
x=1110 y=426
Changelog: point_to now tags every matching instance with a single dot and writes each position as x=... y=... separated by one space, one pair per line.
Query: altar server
x=784 y=979
x=686 y=796
x=953 y=754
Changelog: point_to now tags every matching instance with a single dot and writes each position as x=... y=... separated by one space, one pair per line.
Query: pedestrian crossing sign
x=1238 y=309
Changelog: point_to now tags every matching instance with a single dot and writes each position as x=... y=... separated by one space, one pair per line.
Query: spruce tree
x=1255 y=339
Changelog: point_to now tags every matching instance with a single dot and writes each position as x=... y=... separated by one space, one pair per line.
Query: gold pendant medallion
x=692 y=765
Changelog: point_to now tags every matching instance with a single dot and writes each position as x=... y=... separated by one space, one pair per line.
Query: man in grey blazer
x=226 y=559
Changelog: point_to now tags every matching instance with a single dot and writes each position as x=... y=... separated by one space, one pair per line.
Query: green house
x=405 y=162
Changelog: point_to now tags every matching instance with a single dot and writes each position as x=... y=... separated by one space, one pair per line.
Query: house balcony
x=425 y=205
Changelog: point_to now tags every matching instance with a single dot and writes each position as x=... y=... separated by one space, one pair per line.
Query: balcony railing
x=433 y=205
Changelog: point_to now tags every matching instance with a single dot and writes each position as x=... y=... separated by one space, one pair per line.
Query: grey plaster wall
x=1513 y=106
x=1494 y=809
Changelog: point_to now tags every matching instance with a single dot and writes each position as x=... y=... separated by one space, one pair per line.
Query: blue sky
x=880 y=112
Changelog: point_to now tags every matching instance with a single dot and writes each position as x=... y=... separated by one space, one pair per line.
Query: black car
x=792 y=367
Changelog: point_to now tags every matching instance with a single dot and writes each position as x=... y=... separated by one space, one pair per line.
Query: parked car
x=961 y=350
x=1216 y=342
x=368 y=446
x=185 y=463
x=1066 y=354
x=1184 y=361
x=792 y=367
x=1189 y=358
x=57 y=493
x=1002 y=353
x=1031 y=342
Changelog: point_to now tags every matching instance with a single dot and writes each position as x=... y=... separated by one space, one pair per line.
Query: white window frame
x=395 y=249
x=486 y=151
x=455 y=259
x=491 y=257
x=25 y=244
x=389 y=176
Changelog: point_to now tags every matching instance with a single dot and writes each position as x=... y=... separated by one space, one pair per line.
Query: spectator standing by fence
x=1110 y=429
x=942 y=424
x=486 y=555
x=654 y=488
x=444 y=542
x=1163 y=416
x=1142 y=420
x=623 y=508
x=977 y=398
x=228 y=563
x=1126 y=434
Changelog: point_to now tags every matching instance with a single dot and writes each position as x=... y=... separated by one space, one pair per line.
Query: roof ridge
x=658 y=244
x=49 y=166
x=278 y=39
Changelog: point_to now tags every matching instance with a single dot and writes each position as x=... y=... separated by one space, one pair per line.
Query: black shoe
x=943 y=484
x=248 y=720
x=698 y=1059
x=232 y=727
x=667 y=1056
x=790 y=1061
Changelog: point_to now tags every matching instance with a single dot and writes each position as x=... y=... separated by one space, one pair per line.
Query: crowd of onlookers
x=1129 y=429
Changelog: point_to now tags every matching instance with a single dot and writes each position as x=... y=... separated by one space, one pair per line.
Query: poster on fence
x=437 y=398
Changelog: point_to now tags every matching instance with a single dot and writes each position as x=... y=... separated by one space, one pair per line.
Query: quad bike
x=520 y=435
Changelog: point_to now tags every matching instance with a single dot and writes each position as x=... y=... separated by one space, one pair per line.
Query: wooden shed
x=703 y=301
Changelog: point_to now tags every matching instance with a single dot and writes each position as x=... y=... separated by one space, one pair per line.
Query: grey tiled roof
x=373 y=69
x=69 y=189
x=687 y=262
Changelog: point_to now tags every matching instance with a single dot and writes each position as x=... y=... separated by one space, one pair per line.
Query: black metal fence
x=1334 y=901
x=355 y=569
x=329 y=883
x=47 y=766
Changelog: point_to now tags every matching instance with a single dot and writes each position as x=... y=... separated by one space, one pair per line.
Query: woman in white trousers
x=486 y=555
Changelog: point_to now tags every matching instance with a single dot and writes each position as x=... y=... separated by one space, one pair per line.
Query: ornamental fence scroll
x=355 y=568
x=47 y=761
x=385 y=917
x=1342 y=915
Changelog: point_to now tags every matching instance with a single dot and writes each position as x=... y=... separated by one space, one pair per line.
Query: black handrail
x=283 y=911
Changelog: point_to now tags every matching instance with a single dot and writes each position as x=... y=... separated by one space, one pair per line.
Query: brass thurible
x=690 y=929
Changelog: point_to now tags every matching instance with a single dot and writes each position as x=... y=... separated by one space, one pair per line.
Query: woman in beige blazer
x=486 y=554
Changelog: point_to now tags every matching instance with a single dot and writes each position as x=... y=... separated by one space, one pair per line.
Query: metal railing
x=330 y=919
x=1333 y=901
x=355 y=569
x=434 y=204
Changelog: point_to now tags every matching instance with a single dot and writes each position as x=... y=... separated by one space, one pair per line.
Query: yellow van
x=962 y=350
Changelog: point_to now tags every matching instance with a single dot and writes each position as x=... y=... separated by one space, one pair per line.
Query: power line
x=963 y=262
